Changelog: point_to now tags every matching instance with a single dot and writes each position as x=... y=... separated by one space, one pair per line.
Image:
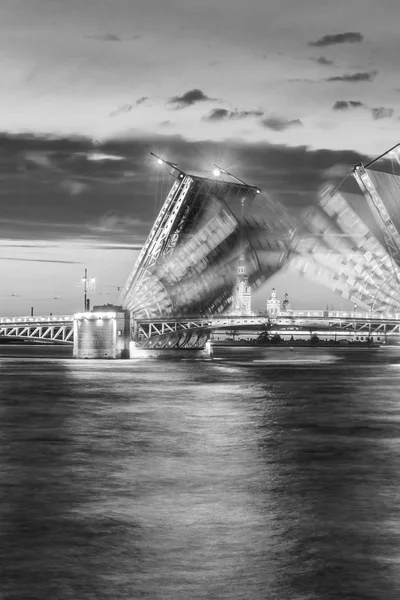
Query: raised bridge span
x=201 y=258
x=60 y=329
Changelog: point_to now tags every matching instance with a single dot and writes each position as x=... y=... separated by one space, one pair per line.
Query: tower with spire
x=241 y=304
x=273 y=304
x=286 y=306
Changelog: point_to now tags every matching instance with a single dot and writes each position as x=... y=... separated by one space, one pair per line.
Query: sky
x=287 y=95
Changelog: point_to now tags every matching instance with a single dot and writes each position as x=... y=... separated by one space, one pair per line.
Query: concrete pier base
x=101 y=335
x=108 y=335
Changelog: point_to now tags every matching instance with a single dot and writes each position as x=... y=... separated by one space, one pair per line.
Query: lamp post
x=217 y=172
x=88 y=284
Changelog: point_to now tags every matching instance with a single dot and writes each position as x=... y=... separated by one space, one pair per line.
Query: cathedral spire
x=241 y=304
x=286 y=306
x=273 y=304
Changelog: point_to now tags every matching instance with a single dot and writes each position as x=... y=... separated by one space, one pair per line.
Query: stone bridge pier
x=114 y=335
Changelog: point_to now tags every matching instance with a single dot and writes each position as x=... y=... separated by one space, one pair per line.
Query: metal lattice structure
x=55 y=330
x=189 y=261
x=351 y=243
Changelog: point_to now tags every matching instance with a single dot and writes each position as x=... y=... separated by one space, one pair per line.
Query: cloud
x=337 y=171
x=141 y=100
x=280 y=123
x=40 y=159
x=377 y=113
x=347 y=104
x=122 y=109
x=382 y=113
x=101 y=156
x=42 y=260
x=217 y=114
x=189 y=98
x=355 y=77
x=222 y=114
x=104 y=37
x=42 y=205
x=323 y=61
x=119 y=247
x=303 y=80
x=128 y=107
x=73 y=187
x=351 y=37
x=115 y=223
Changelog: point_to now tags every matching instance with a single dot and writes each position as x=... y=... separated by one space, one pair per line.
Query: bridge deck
x=60 y=329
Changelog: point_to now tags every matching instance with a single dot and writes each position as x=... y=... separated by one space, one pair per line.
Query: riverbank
x=297 y=344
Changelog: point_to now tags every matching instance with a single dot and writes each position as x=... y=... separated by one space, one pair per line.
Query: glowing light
x=258 y=191
x=216 y=172
x=160 y=162
x=98 y=156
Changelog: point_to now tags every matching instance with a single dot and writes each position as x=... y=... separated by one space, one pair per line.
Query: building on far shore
x=286 y=306
x=274 y=304
x=241 y=305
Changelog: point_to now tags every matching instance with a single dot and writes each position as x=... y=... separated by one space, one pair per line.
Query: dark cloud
x=222 y=114
x=323 y=61
x=347 y=104
x=31 y=246
x=303 y=80
x=104 y=37
x=189 y=98
x=382 y=113
x=42 y=260
x=120 y=247
x=40 y=208
x=122 y=109
x=280 y=123
x=128 y=107
x=217 y=114
x=355 y=77
x=351 y=37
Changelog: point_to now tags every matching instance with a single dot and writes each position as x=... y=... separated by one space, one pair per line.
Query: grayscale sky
x=287 y=94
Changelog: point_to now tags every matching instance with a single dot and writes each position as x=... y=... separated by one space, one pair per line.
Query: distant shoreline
x=285 y=344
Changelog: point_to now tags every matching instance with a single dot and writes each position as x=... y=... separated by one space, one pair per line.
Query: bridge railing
x=338 y=314
x=55 y=319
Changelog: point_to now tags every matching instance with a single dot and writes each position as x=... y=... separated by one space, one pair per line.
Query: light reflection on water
x=226 y=479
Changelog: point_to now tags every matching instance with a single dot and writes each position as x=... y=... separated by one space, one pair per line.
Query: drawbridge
x=350 y=240
x=189 y=261
x=181 y=286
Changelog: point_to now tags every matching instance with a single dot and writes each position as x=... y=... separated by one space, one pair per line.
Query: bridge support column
x=101 y=335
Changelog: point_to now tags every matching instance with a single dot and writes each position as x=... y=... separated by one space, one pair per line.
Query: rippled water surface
x=265 y=474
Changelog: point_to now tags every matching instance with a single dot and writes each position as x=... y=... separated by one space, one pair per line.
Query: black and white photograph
x=199 y=300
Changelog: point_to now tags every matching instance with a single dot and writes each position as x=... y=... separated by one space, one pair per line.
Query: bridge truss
x=47 y=330
x=350 y=241
x=188 y=264
x=194 y=332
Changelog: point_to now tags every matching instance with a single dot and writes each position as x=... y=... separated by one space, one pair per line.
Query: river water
x=265 y=474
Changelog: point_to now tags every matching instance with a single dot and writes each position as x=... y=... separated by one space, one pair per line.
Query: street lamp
x=217 y=171
x=88 y=285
